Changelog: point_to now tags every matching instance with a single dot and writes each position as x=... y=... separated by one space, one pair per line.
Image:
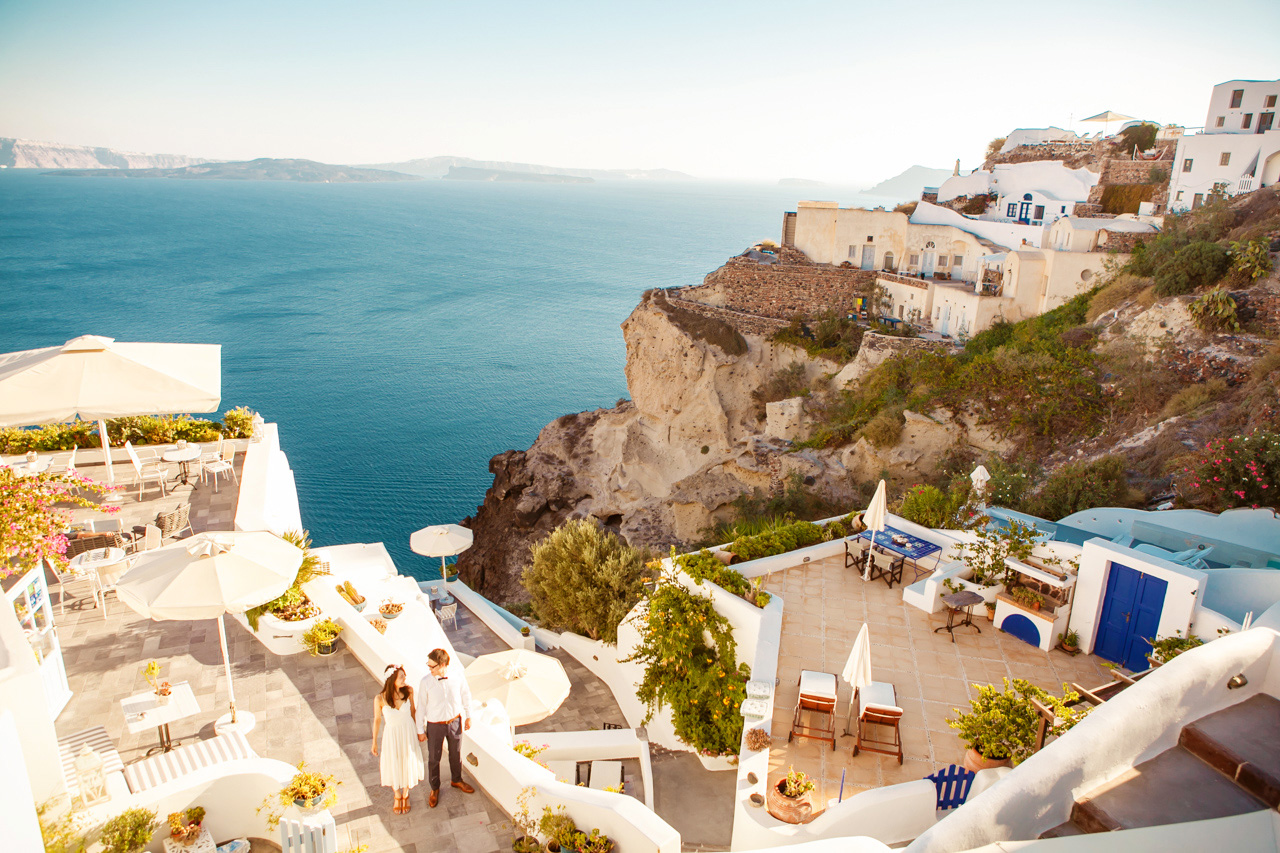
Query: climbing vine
x=689 y=656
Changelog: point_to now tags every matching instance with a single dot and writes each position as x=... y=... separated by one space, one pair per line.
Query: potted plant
x=151 y=672
x=348 y=591
x=524 y=630
x=129 y=831
x=321 y=638
x=1002 y=725
x=558 y=828
x=791 y=799
x=525 y=824
x=1028 y=598
x=390 y=609
x=991 y=610
x=758 y=739
x=1070 y=641
x=1166 y=649
x=595 y=842
x=308 y=791
x=185 y=826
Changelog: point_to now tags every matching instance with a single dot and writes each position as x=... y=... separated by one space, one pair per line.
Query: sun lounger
x=177 y=763
x=818 y=699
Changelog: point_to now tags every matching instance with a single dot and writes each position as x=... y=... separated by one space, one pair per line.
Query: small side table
x=963 y=600
x=203 y=844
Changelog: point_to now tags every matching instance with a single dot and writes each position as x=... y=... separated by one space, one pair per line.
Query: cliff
x=28 y=154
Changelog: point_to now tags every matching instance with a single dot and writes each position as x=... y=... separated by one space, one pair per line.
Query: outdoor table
x=91 y=563
x=964 y=599
x=909 y=547
x=202 y=844
x=23 y=468
x=184 y=456
x=144 y=710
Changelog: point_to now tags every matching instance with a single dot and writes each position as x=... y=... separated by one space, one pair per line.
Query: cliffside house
x=1034 y=193
x=1237 y=151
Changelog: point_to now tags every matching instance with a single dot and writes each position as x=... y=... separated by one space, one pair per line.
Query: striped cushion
x=168 y=766
x=96 y=739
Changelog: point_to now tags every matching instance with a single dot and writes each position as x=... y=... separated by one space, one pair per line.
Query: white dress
x=400 y=754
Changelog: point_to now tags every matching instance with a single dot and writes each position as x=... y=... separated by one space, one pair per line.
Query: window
x=957 y=261
x=1186 y=165
x=888 y=260
x=1248 y=120
x=853 y=251
x=901 y=308
x=1225 y=159
x=1237 y=98
x=1039 y=212
x=1026 y=196
x=1064 y=208
x=942 y=260
x=868 y=238
x=1271 y=101
x=1013 y=211
x=915 y=260
x=929 y=245
x=1221 y=121
x=1197 y=200
x=1179 y=196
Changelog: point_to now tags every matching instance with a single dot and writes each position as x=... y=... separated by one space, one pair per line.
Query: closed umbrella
x=95 y=378
x=529 y=685
x=210 y=574
x=873 y=518
x=980 y=477
x=441 y=540
x=857 y=669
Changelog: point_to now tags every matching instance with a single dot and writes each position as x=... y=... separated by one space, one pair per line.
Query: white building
x=1238 y=150
x=1034 y=193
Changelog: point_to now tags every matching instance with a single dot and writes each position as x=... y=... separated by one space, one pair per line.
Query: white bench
x=168 y=766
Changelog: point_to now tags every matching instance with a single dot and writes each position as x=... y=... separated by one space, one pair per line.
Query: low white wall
x=483 y=609
x=891 y=815
x=17 y=803
x=268 y=497
x=1139 y=723
x=22 y=694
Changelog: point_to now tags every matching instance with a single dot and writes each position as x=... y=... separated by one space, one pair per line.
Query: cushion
x=821 y=684
x=878 y=696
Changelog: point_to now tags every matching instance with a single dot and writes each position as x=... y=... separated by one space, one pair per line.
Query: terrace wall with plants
x=783 y=290
x=147 y=429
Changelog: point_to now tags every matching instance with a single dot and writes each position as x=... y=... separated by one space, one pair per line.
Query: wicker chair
x=173 y=523
x=81 y=544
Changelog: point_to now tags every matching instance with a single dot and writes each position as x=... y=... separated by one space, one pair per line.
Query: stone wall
x=1132 y=171
x=1074 y=154
x=1120 y=241
x=783 y=290
x=746 y=324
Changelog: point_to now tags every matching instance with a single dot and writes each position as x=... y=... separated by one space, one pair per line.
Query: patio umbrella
x=1108 y=117
x=857 y=669
x=208 y=575
x=873 y=518
x=980 y=477
x=95 y=378
x=441 y=540
x=529 y=685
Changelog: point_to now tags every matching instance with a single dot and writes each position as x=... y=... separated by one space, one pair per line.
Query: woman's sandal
x=398 y=808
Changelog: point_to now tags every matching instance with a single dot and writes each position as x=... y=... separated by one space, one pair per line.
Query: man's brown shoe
x=433 y=798
x=464 y=787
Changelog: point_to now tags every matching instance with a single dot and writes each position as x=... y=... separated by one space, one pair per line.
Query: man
x=444 y=711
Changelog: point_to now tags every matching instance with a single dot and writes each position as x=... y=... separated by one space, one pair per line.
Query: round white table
x=97 y=557
x=24 y=468
x=184 y=456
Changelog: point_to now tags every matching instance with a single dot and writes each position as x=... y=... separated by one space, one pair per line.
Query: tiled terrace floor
x=826 y=605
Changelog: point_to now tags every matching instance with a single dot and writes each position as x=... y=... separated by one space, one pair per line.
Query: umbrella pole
x=444 y=574
x=106 y=450
x=226 y=661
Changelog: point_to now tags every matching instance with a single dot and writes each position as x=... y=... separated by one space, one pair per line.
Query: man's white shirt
x=442 y=699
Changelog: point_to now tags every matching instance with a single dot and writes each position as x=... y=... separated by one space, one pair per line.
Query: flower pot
x=327 y=649
x=725 y=557
x=526 y=844
x=973 y=760
x=991 y=613
x=162 y=698
x=790 y=809
x=310 y=806
x=553 y=847
x=360 y=607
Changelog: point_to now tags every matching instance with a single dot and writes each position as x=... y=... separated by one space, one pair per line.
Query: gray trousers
x=437 y=733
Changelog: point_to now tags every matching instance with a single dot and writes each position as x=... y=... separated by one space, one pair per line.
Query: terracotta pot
x=974 y=761
x=726 y=557
x=791 y=809
x=991 y=614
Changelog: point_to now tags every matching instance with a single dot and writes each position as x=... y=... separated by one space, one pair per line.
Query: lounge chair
x=878 y=711
x=167 y=766
x=818 y=698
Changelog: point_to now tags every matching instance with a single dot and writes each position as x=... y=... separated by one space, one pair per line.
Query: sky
x=838 y=91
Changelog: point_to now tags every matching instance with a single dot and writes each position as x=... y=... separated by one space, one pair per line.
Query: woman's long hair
x=389 y=689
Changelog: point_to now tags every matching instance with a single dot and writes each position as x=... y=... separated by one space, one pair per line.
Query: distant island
x=262 y=169
x=470 y=173
x=30 y=154
x=439 y=167
x=907 y=186
x=799 y=182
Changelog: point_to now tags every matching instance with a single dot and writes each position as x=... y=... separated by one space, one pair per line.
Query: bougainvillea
x=689 y=656
x=1243 y=470
x=31 y=520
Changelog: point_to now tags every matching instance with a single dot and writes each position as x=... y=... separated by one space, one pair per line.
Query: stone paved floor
x=826 y=605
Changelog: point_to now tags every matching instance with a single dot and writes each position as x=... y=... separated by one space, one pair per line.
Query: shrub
x=1010 y=483
x=885 y=428
x=584 y=579
x=994 y=146
x=705 y=566
x=932 y=507
x=1193 y=397
x=782 y=384
x=907 y=207
x=1140 y=136
x=1166 y=649
x=986 y=556
x=1195 y=265
x=129 y=831
x=1243 y=470
x=1083 y=485
x=60 y=829
x=1251 y=259
x=977 y=205
x=832 y=337
x=690 y=664
x=1215 y=311
x=1003 y=723
x=1157 y=175
x=292 y=605
x=1264 y=366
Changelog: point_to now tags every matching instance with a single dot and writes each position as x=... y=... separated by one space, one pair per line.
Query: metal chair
x=818 y=698
x=151 y=472
x=877 y=705
x=225 y=465
x=886 y=566
x=953 y=783
x=449 y=613
x=208 y=457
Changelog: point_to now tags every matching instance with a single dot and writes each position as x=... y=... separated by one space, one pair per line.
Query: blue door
x=1130 y=614
x=868 y=257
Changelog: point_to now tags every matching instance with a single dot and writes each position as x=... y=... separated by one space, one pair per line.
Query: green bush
x=1011 y=482
x=1140 y=136
x=782 y=384
x=146 y=429
x=832 y=336
x=1215 y=311
x=703 y=565
x=1195 y=265
x=1123 y=289
x=129 y=831
x=584 y=579
x=931 y=507
x=238 y=422
x=1251 y=259
x=1005 y=724
x=885 y=429
x=1083 y=485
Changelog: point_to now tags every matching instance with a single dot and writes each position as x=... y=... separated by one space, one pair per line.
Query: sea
x=400 y=334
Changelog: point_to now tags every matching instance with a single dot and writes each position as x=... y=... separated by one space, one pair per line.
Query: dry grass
x=1193 y=398
x=885 y=428
x=1124 y=289
x=1265 y=366
x=1147 y=297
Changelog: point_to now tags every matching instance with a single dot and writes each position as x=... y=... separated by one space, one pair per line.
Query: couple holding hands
x=439 y=712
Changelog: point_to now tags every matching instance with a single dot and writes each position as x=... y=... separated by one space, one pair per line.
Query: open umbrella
x=95 y=378
x=529 y=685
x=441 y=540
x=210 y=574
x=1108 y=117
x=857 y=669
x=873 y=518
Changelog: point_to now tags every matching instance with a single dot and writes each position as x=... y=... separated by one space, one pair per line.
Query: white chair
x=208 y=457
x=69 y=576
x=151 y=472
x=225 y=465
x=151 y=539
x=69 y=467
x=449 y=613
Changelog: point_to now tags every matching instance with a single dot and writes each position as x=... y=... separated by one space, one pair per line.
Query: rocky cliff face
x=27 y=154
x=669 y=463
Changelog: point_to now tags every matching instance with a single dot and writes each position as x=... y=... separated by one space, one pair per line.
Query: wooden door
x=1130 y=614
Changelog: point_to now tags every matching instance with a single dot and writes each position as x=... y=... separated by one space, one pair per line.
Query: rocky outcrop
x=28 y=154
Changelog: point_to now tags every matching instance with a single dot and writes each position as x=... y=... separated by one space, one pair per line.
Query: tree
x=1140 y=136
x=1195 y=265
x=32 y=525
x=584 y=579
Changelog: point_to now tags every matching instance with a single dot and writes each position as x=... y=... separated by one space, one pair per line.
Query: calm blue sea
x=401 y=334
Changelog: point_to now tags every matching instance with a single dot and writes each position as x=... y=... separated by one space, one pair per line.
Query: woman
x=401 y=765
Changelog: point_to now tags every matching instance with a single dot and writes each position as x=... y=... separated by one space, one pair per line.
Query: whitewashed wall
x=268 y=497
x=1183 y=595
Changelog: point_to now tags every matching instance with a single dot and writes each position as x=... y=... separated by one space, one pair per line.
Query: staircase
x=1227 y=763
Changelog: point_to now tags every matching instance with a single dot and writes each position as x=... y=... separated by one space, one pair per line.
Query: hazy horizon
x=828 y=92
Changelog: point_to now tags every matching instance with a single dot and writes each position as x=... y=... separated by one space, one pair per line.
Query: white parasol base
x=245 y=722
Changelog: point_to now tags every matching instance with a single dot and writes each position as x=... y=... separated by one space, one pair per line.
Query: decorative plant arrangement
x=1002 y=725
x=390 y=609
x=307 y=790
x=151 y=672
x=32 y=522
x=348 y=591
x=594 y=842
x=986 y=557
x=703 y=684
x=1166 y=649
x=321 y=637
x=185 y=826
x=1027 y=597
x=129 y=831
x=525 y=824
x=790 y=800
x=991 y=611
x=558 y=828
x=705 y=565
x=758 y=739
x=293 y=604
x=1070 y=641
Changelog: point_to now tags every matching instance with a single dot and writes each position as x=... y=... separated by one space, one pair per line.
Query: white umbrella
x=857 y=669
x=95 y=378
x=529 y=685
x=873 y=518
x=980 y=477
x=1108 y=117
x=210 y=574
x=441 y=540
